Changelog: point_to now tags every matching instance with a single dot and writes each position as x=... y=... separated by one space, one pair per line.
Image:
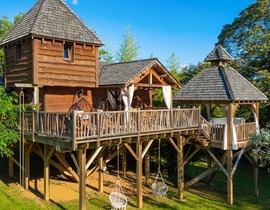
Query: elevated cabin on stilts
x=222 y=85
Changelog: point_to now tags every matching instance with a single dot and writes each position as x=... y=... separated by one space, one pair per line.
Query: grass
x=199 y=196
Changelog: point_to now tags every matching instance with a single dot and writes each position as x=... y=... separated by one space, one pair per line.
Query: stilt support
x=46 y=173
x=180 y=169
x=139 y=174
x=82 y=182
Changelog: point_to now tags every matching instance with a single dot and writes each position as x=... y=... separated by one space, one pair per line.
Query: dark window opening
x=18 y=52
x=68 y=51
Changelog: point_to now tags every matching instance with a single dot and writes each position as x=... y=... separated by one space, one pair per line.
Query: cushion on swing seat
x=118 y=200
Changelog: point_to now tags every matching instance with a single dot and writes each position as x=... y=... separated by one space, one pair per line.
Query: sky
x=188 y=28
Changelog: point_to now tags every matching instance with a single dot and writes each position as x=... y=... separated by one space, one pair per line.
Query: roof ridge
x=35 y=19
x=123 y=62
x=228 y=89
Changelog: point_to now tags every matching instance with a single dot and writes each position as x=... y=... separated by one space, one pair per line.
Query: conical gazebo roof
x=219 y=83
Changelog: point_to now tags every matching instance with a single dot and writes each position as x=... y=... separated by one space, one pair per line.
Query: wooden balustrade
x=80 y=126
x=243 y=131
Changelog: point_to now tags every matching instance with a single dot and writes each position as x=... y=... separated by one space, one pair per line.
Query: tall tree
x=248 y=40
x=106 y=53
x=128 y=50
x=173 y=65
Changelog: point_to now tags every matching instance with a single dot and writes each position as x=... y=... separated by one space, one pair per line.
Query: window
x=68 y=51
x=18 y=52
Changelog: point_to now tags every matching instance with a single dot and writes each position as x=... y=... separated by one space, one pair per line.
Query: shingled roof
x=122 y=73
x=218 y=54
x=219 y=83
x=53 y=19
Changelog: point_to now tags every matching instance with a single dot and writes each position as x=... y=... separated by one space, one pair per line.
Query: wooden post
x=10 y=167
x=124 y=161
x=27 y=166
x=147 y=167
x=100 y=173
x=180 y=169
x=229 y=154
x=46 y=173
x=139 y=173
x=82 y=182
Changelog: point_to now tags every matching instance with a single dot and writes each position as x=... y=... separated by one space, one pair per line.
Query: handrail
x=243 y=131
x=205 y=127
x=80 y=126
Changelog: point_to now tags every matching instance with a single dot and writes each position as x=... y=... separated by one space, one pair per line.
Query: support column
x=180 y=169
x=100 y=173
x=10 y=167
x=82 y=182
x=124 y=161
x=147 y=167
x=46 y=173
x=229 y=155
x=139 y=173
x=27 y=166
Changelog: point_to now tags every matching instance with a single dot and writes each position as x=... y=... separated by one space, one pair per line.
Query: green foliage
x=106 y=53
x=261 y=152
x=8 y=121
x=247 y=39
x=128 y=48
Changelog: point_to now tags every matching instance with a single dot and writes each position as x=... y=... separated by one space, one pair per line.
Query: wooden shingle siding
x=19 y=71
x=54 y=70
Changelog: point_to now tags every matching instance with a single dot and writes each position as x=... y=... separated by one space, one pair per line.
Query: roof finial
x=219 y=56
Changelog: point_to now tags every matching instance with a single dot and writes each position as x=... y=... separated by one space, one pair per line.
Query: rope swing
x=159 y=187
x=117 y=197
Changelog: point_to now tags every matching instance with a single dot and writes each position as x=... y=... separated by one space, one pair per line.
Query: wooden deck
x=69 y=130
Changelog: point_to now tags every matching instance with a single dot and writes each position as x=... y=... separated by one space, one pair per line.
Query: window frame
x=68 y=51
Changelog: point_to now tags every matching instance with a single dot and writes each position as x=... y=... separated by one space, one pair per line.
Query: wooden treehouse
x=51 y=58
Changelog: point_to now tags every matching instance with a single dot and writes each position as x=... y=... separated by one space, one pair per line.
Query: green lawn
x=200 y=196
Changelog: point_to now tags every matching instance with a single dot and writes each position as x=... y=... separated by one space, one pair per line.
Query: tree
x=173 y=66
x=128 y=50
x=261 y=152
x=106 y=53
x=247 y=39
x=8 y=121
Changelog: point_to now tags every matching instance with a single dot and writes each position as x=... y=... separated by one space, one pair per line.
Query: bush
x=9 y=111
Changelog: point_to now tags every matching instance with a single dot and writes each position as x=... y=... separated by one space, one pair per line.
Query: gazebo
x=221 y=84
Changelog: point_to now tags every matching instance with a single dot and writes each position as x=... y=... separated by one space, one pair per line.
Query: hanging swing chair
x=159 y=187
x=117 y=197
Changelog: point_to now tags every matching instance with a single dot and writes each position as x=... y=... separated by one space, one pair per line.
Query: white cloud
x=75 y=2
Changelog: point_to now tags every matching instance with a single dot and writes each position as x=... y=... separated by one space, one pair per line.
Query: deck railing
x=86 y=126
x=243 y=131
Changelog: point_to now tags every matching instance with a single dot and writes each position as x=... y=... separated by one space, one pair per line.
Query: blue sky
x=189 y=28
